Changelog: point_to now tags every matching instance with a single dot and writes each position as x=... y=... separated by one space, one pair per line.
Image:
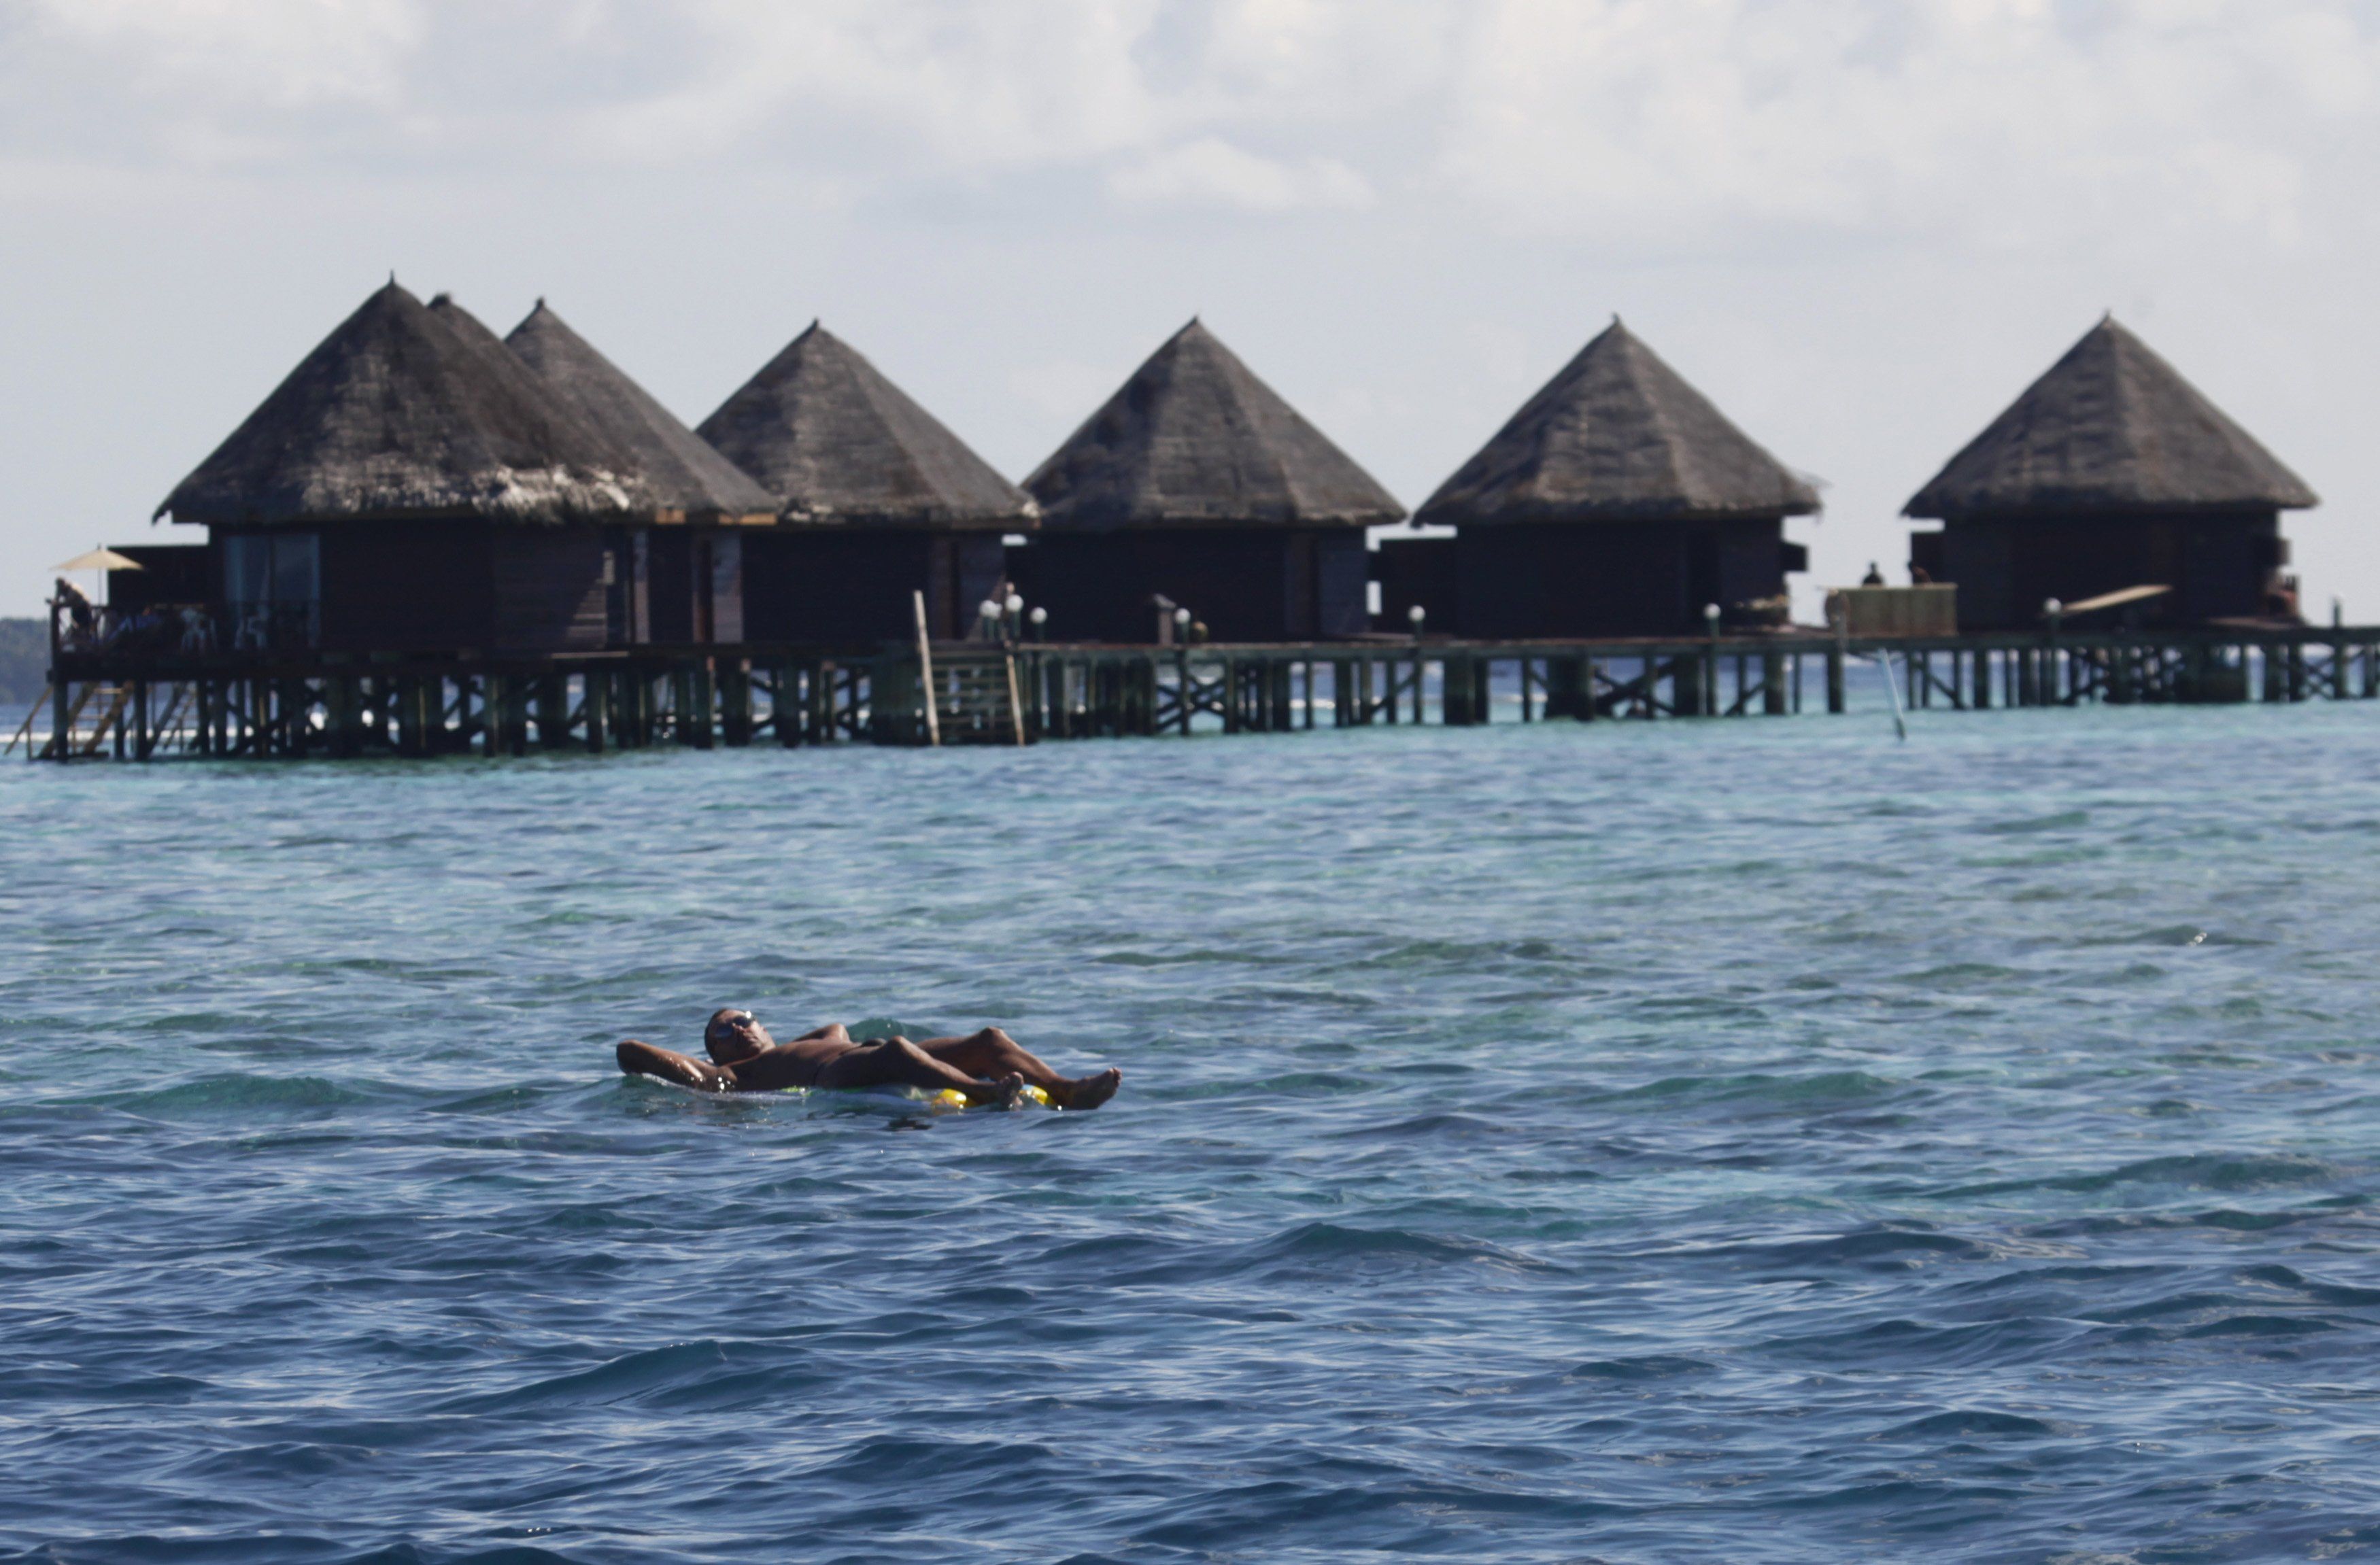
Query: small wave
x=1884 y=1247
x=2203 y=1171
x=1964 y=1423
x=1445 y=1124
x=884 y=1465
x=614 y=1380
x=2262 y=1326
x=1827 y=1086
x=244 y=1095
x=2063 y=820
x=1962 y=973
x=1650 y=1366
x=1331 y=1243
x=2289 y=1278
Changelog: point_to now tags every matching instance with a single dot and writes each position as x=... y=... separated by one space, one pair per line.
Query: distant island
x=24 y=660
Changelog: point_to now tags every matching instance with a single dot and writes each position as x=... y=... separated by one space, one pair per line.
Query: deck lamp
x=1182 y=618
x=1710 y=617
x=1040 y=618
x=1416 y=614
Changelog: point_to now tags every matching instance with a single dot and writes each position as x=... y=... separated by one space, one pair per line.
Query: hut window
x=273 y=584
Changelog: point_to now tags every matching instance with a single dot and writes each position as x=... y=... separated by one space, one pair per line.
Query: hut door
x=1301 y=597
x=726 y=587
x=636 y=590
x=942 y=589
x=1702 y=577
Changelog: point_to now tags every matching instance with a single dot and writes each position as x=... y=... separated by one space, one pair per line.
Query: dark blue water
x=1660 y=1142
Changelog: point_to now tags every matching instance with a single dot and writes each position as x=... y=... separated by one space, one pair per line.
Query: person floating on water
x=988 y=1067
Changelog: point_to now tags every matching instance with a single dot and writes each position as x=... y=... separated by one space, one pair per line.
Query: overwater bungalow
x=406 y=490
x=681 y=580
x=2111 y=478
x=878 y=501
x=1617 y=502
x=1197 y=484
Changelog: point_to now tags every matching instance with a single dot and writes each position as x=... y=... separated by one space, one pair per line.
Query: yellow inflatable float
x=952 y=1097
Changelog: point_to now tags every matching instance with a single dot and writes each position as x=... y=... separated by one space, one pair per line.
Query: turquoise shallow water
x=1668 y=1142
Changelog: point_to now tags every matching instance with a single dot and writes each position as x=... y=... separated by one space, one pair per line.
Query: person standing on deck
x=987 y=1066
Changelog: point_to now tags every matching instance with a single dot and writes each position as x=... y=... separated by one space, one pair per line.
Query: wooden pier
x=146 y=706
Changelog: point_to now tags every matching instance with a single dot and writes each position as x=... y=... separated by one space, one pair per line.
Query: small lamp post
x=987 y=619
x=1013 y=623
x=1710 y=662
x=1414 y=616
x=1040 y=618
x=1182 y=627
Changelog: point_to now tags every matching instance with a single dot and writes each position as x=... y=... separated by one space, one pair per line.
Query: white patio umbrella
x=98 y=562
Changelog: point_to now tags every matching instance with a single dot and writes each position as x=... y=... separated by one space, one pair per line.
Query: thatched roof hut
x=397 y=414
x=1195 y=440
x=2111 y=429
x=838 y=443
x=1617 y=436
x=683 y=472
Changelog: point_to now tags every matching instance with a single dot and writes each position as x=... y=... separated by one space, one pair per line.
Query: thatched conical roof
x=1617 y=436
x=2114 y=427
x=838 y=442
x=682 y=469
x=1194 y=439
x=397 y=414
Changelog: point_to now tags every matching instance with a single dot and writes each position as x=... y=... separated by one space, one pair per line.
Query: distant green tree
x=24 y=659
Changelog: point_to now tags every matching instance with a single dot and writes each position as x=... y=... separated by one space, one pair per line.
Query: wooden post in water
x=550 y=693
x=1772 y=683
x=735 y=702
x=926 y=670
x=595 y=701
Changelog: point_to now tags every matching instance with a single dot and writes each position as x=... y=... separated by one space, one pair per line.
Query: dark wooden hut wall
x=854 y=588
x=448 y=585
x=422 y=587
x=1417 y=573
x=1270 y=584
x=169 y=573
x=2006 y=568
x=549 y=589
x=1613 y=578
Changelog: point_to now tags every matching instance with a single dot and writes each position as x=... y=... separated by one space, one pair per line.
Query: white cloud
x=1652 y=122
x=261 y=53
x=1212 y=172
x=1685 y=117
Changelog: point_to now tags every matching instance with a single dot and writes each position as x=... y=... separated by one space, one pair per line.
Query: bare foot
x=1008 y=1091
x=1091 y=1091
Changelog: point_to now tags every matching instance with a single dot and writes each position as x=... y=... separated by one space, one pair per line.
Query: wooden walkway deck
x=145 y=706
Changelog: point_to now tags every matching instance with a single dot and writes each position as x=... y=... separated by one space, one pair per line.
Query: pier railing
x=163 y=699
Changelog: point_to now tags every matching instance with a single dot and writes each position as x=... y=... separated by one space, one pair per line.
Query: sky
x=1860 y=226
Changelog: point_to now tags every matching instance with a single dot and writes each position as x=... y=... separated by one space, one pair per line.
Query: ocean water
x=1751 y=1140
